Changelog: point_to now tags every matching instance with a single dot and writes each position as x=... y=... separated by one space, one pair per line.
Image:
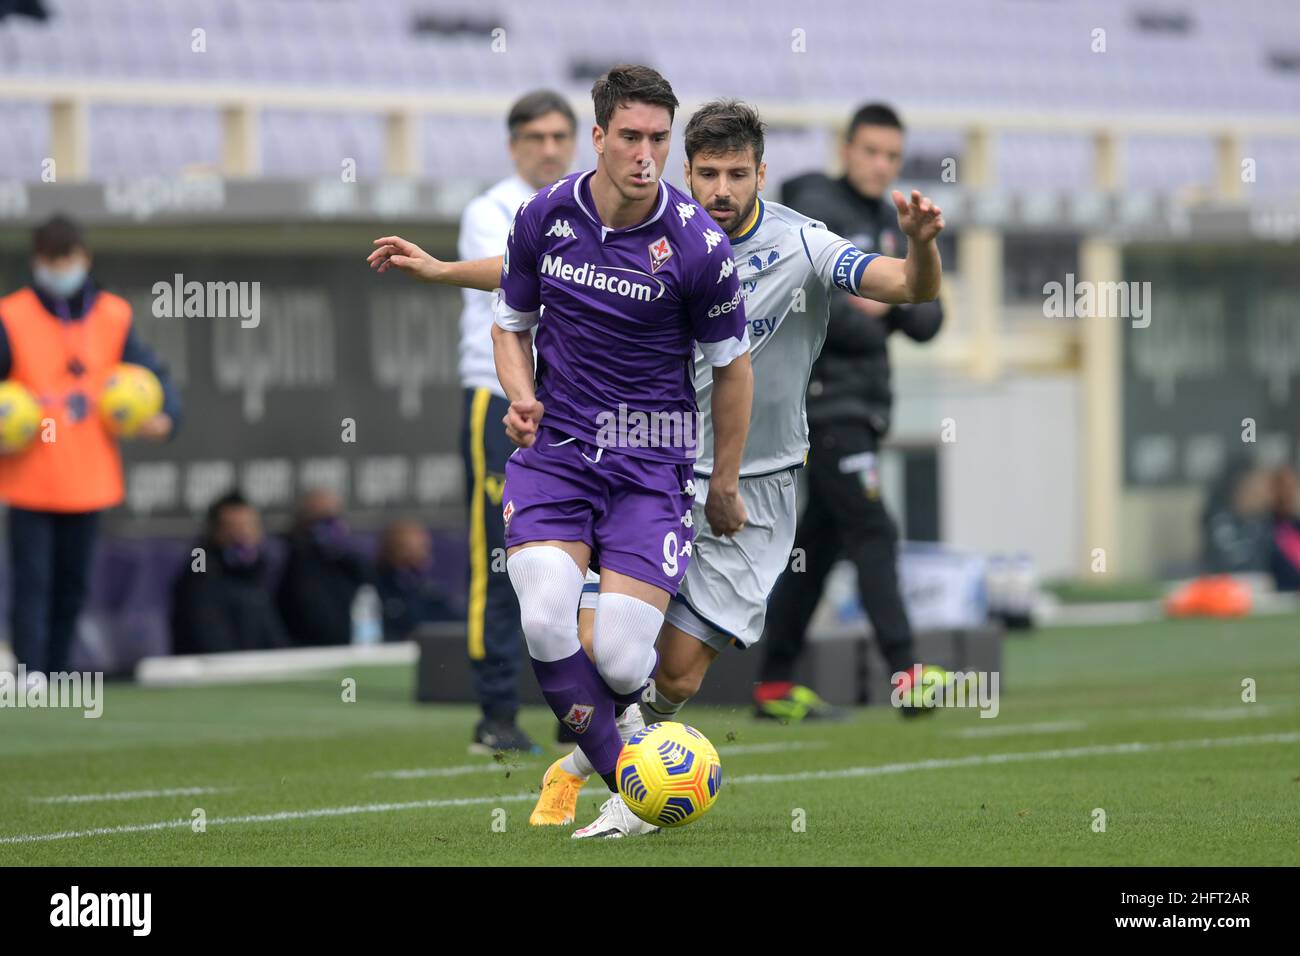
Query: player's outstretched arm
x=513 y=352
x=918 y=277
x=733 y=397
x=398 y=253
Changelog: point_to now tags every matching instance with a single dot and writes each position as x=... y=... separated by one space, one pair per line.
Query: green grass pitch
x=1145 y=723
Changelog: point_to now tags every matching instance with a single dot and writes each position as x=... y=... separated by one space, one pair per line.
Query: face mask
x=240 y=555
x=412 y=577
x=331 y=534
x=62 y=284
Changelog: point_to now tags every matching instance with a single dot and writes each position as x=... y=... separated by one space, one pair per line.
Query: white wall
x=1012 y=480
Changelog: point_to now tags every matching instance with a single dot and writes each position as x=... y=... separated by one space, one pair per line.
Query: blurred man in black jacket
x=226 y=602
x=322 y=575
x=407 y=583
x=849 y=403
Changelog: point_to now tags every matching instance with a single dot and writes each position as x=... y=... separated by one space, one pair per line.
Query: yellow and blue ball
x=131 y=396
x=669 y=774
x=20 y=417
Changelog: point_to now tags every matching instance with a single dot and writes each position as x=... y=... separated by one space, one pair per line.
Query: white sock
x=577 y=764
x=629 y=722
x=549 y=586
x=659 y=708
x=623 y=641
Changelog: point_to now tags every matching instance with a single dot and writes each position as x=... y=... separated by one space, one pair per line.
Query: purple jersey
x=617 y=311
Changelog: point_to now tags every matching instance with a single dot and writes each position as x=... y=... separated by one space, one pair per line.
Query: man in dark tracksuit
x=849 y=402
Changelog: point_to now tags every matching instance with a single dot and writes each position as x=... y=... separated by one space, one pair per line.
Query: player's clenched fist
x=920 y=219
x=521 y=421
x=396 y=252
x=725 y=511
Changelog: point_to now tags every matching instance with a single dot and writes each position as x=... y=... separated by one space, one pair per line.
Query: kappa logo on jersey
x=556 y=186
x=728 y=267
x=578 y=719
x=505 y=262
x=711 y=239
x=562 y=230
x=508 y=512
x=660 y=252
x=520 y=212
x=684 y=211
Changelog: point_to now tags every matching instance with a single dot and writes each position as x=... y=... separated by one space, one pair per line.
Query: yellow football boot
x=558 y=802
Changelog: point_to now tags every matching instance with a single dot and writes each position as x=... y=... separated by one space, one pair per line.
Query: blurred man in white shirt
x=542 y=143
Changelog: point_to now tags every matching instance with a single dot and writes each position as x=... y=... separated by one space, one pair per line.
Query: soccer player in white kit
x=788 y=265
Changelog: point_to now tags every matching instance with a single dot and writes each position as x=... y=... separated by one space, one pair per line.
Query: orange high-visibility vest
x=81 y=469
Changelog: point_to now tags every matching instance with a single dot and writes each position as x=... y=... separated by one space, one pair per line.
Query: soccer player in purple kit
x=622 y=276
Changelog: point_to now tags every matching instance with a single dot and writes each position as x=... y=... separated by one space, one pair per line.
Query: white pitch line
x=978 y=760
x=1241 y=711
x=734 y=750
x=270 y=817
x=1010 y=730
x=846 y=772
x=418 y=773
x=130 y=795
x=1236 y=711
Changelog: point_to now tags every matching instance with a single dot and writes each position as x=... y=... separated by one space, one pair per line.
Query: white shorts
x=723 y=597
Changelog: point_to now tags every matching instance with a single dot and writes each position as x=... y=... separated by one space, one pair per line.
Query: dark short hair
x=873 y=114
x=629 y=83
x=537 y=104
x=56 y=237
x=725 y=126
x=231 y=499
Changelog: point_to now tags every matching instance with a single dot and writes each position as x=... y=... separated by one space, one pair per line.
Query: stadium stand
x=1193 y=56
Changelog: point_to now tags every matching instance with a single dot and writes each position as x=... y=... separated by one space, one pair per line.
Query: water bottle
x=367 y=617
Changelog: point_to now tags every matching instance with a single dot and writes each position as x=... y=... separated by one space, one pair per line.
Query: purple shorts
x=635 y=514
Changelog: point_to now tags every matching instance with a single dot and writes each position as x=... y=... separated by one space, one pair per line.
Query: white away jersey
x=787 y=264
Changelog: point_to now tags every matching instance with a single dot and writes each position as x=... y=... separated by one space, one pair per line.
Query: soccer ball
x=132 y=395
x=20 y=417
x=669 y=774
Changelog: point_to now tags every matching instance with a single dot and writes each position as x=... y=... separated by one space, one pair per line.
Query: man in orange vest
x=61 y=337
